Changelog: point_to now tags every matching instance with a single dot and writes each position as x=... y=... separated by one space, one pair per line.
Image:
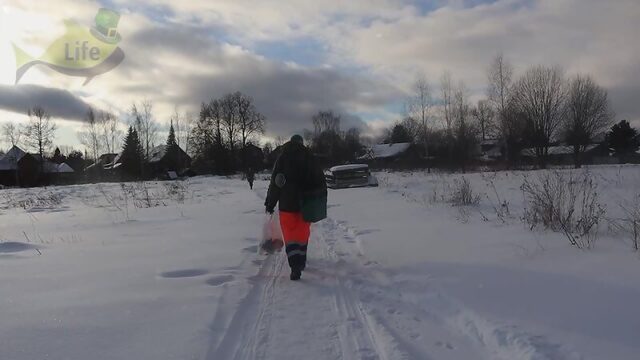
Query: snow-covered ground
x=93 y=272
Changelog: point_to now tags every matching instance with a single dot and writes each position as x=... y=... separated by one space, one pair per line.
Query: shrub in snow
x=462 y=193
x=499 y=204
x=630 y=222
x=43 y=199
x=567 y=203
x=176 y=190
x=143 y=197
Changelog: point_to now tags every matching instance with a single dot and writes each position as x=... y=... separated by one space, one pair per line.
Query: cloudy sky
x=295 y=57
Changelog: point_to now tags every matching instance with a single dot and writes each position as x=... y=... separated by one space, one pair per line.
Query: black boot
x=295 y=274
x=303 y=262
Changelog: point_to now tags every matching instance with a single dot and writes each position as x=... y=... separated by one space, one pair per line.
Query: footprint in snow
x=366 y=232
x=219 y=280
x=14 y=247
x=184 y=273
x=251 y=249
x=445 y=344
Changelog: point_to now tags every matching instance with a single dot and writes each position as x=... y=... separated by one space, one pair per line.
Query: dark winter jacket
x=294 y=172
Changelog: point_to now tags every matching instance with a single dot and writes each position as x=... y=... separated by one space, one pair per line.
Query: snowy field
x=171 y=271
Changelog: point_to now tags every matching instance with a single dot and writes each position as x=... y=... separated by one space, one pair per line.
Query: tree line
x=540 y=108
x=224 y=134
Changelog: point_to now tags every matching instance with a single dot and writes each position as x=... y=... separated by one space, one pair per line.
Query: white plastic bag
x=272 y=239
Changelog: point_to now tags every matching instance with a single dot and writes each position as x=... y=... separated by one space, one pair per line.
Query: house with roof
x=162 y=161
x=563 y=154
x=490 y=149
x=392 y=155
x=19 y=168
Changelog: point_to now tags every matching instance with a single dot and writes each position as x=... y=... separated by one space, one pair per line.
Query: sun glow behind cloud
x=32 y=32
x=7 y=61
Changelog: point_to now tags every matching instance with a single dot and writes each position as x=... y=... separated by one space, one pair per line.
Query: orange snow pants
x=296 y=233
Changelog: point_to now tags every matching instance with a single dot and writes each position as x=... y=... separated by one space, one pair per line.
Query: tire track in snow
x=370 y=317
x=325 y=314
x=491 y=340
x=363 y=336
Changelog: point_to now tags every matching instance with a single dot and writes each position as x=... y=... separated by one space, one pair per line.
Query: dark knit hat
x=297 y=139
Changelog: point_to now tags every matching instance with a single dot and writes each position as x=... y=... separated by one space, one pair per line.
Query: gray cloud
x=58 y=103
x=586 y=36
x=290 y=97
x=193 y=68
x=624 y=101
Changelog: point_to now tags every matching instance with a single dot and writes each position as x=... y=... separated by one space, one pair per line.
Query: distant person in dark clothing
x=250 y=177
x=294 y=172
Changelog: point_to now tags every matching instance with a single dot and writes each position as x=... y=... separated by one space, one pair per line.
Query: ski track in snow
x=346 y=307
x=324 y=313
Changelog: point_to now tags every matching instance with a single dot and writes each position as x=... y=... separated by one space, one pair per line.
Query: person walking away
x=250 y=177
x=299 y=188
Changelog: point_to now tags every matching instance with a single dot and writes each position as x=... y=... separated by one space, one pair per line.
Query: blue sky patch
x=305 y=51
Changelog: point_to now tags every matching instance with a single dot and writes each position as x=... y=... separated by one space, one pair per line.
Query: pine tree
x=172 y=151
x=132 y=154
x=623 y=138
x=171 y=140
x=57 y=157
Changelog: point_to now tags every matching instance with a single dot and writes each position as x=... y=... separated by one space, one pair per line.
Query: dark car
x=352 y=175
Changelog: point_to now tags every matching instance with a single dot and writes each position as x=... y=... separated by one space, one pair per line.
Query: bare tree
x=413 y=127
x=418 y=107
x=201 y=138
x=229 y=119
x=11 y=133
x=500 y=76
x=460 y=109
x=540 y=98
x=111 y=134
x=183 y=125
x=250 y=121
x=39 y=132
x=464 y=130
x=325 y=121
x=484 y=116
x=214 y=115
x=328 y=138
x=588 y=114
x=90 y=135
x=446 y=91
x=145 y=125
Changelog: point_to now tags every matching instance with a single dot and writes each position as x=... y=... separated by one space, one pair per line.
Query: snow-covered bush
x=630 y=222
x=143 y=196
x=564 y=202
x=42 y=199
x=499 y=204
x=462 y=193
x=177 y=190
